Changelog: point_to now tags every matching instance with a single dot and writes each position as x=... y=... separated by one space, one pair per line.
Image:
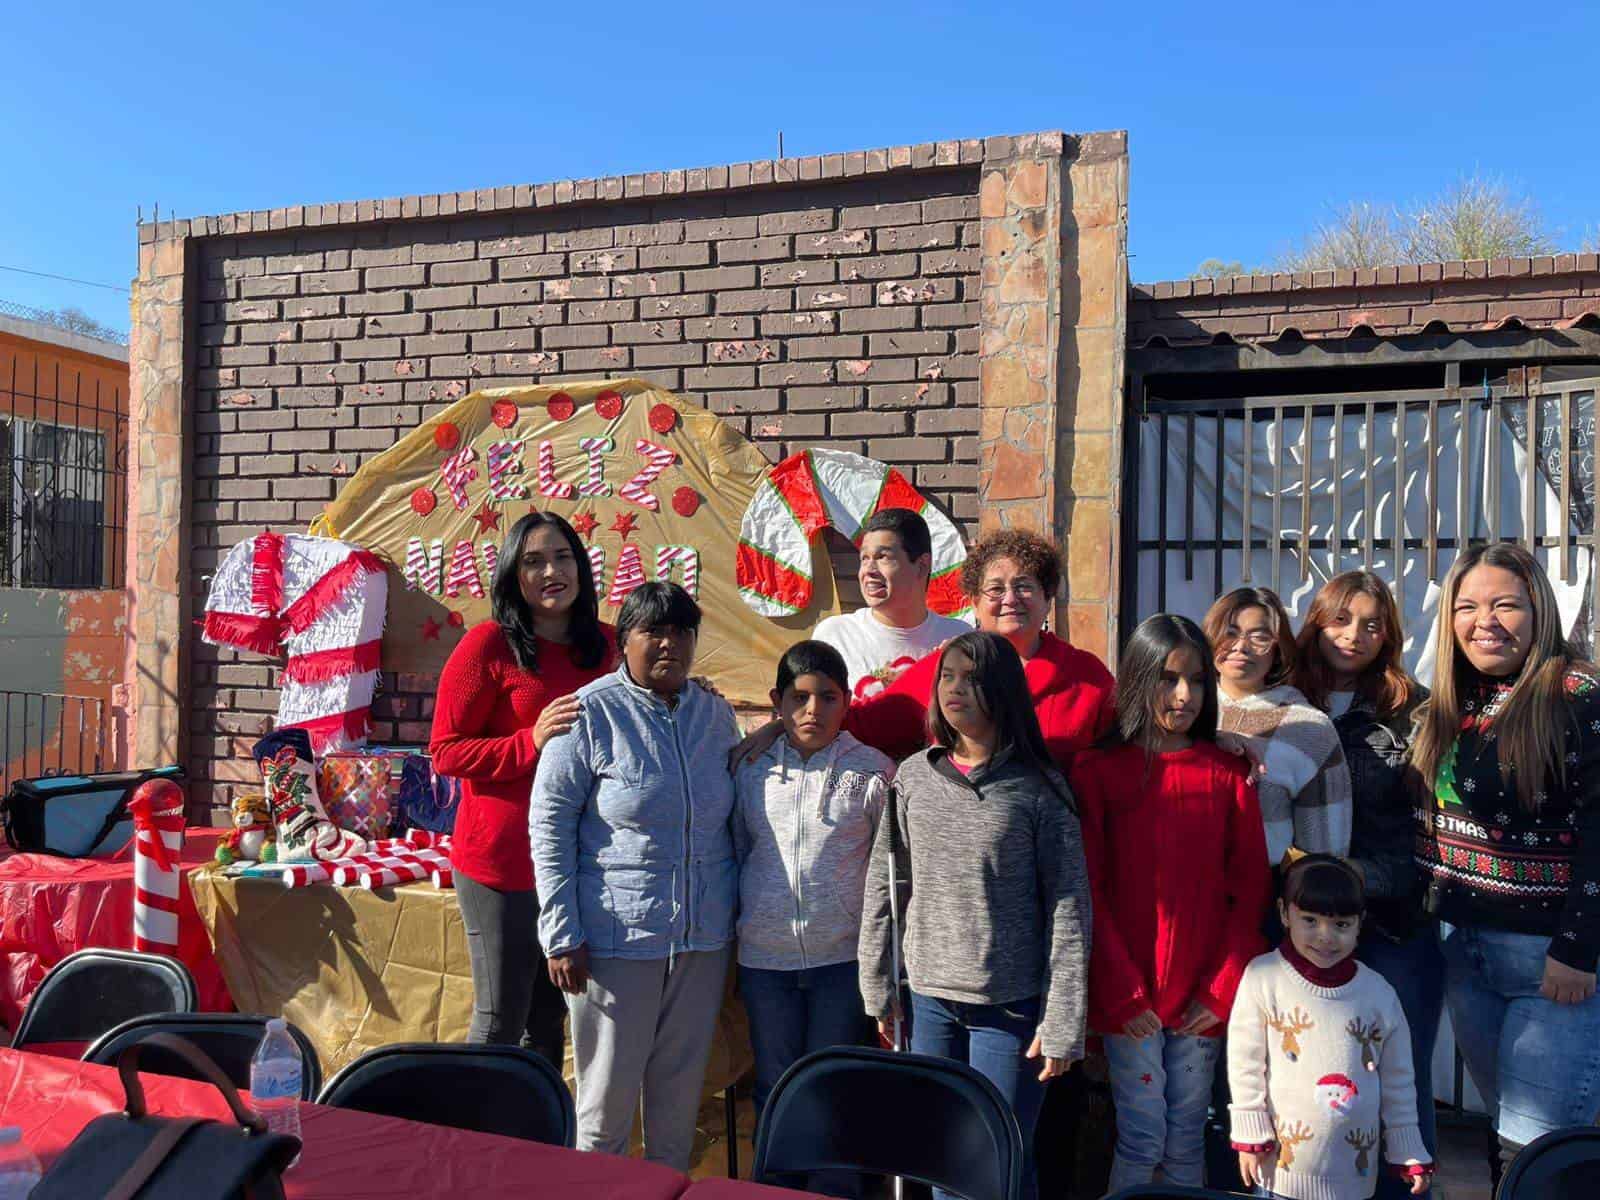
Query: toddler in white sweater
x=1319 y=1055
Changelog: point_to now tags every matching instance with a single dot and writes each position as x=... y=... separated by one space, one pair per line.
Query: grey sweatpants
x=642 y=1031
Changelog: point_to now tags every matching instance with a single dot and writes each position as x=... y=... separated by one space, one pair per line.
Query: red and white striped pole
x=158 y=824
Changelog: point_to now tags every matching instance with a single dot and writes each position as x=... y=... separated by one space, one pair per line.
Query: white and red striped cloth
x=321 y=602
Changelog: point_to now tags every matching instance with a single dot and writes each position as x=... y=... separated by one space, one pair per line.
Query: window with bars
x=1286 y=491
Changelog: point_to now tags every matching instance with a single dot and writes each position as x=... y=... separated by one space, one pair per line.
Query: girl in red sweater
x=1178 y=872
x=506 y=690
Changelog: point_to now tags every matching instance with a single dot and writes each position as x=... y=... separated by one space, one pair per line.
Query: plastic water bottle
x=276 y=1072
x=19 y=1169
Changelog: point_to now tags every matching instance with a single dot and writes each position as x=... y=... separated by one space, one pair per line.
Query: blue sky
x=1246 y=122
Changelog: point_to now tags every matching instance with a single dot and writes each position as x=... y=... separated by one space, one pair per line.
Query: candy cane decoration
x=157 y=809
x=657 y=460
x=427 y=839
x=597 y=567
x=321 y=601
x=457 y=471
x=443 y=878
x=505 y=463
x=425 y=565
x=491 y=558
x=463 y=572
x=430 y=849
x=549 y=486
x=630 y=574
x=596 y=448
x=816 y=489
x=688 y=557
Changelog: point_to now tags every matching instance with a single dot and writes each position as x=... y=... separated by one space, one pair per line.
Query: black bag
x=131 y=1154
x=74 y=816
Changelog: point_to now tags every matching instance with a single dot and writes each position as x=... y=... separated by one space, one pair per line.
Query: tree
x=1357 y=235
x=75 y=320
x=1216 y=268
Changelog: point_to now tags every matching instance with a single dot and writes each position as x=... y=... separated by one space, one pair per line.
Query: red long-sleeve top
x=483 y=721
x=1073 y=694
x=1179 y=879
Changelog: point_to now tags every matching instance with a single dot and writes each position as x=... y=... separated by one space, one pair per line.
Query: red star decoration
x=430 y=630
x=584 y=524
x=624 y=524
x=487 y=519
x=1146 y=1079
x=455 y=620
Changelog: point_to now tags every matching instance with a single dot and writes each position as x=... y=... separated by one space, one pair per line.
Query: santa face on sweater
x=1337 y=1093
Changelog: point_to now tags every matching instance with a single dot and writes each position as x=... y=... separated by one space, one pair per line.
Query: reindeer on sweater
x=1291 y=1027
x=1369 y=1036
x=1290 y=1136
x=1363 y=1143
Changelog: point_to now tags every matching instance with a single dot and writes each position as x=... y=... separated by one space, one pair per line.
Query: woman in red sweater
x=506 y=691
x=1179 y=879
x=1011 y=576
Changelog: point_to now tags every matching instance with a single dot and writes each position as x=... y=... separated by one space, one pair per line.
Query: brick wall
x=842 y=313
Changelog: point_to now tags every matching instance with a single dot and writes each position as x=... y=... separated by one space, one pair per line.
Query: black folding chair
x=489 y=1089
x=1564 y=1165
x=92 y=991
x=229 y=1039
x=932 y=1120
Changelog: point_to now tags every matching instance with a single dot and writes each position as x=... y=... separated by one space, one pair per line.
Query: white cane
x=896 y=1023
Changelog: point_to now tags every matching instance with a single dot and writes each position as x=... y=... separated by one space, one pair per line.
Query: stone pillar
x=1052 y=309
x=158 y=535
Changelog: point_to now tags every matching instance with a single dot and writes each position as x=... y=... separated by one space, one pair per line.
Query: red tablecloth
x=348 y=1155
x=51 y=906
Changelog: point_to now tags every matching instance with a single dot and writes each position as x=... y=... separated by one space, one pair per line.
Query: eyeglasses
x=1256 y=639
x=1022 y=589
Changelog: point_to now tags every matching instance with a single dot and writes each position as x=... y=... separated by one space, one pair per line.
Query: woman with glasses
x=1304 y=783
x=1011 y=576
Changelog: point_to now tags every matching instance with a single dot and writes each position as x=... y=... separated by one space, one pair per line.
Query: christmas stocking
x=304 y=831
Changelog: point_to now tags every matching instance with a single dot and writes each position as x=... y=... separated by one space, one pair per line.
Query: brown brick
x=601 y=310
x=674 y=306
x=610 y=359
x=605 y=262
x=269 y=331
x=951 y=262
x=807 y=399
x=760 y=300
x=491 y=340
x=311 y=307
x=834 y=295
x=592 y=287
x=581 y=239
x=656 y=283
x=889 y=266
x=761 y=249
x=812 y=220
x=573 y=337
x=867 y=320
x=309 y=352
x=450 y=297
x=950 y=315
x=394 y=256
x=519 y=315
x=681 y=354
x=475 y=271
x=461 y=320
x=825 y=347
x=647 y=332
x=289 y=264
x=402 y=323
x=950 y=208
x=445 y=343
x=800 y=323
x=927 y=342
x=868 y=424
x=947 y=421
x=908 y=449
x=916 y=237
x=715 y=229
x=708 y=378
x=327 y=282
x=510 y=293
x=943 y=476
x=302 y=439
x=320 y=331
x=375 y=302
x=534 y=266
x=719 y=279
x=728 y=403
x=689 y=254
x=714 y=329
x=869 y=216
x=907 y=395
x=370 y=348
x=796 y=374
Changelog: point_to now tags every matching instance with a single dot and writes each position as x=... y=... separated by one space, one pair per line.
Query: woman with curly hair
x=1011 y=576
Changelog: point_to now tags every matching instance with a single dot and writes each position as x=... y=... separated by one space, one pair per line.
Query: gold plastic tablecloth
x=358 y=969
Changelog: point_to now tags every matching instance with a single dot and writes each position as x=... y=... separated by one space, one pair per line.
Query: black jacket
x=1382 y=830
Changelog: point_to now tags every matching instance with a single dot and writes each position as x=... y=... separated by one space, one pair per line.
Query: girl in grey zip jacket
x=803 y=832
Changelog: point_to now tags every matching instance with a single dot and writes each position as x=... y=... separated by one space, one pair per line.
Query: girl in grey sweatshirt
x=997 y=925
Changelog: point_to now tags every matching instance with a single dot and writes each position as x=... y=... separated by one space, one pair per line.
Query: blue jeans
x=992 y=1039
x=1537 y=1063
x=1415 y=969
x=793 y=1013
x=1161 y=1086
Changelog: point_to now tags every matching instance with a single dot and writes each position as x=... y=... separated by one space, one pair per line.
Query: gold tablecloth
x=357 y=970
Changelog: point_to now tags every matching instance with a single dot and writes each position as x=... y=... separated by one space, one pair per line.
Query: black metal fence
x=63 y=478
x=1287 y=490
x=44 y=733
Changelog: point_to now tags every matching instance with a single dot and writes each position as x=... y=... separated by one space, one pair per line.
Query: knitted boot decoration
x=304 y=831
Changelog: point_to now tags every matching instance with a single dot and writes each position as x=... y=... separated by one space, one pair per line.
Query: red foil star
x=455 y=620
x=624 y=524
x=430 y=630
x=487 y=519
x=584 y=524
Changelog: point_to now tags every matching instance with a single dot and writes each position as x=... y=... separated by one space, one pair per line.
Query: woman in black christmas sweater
x=1508 y=835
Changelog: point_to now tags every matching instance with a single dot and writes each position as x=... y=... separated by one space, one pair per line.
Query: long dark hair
x=1385 y=682
x=1139 y=669
x=514 y=616
x=1222 y=613
x=1002 y=687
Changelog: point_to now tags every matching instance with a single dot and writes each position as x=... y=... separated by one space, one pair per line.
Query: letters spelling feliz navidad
x=654 y=485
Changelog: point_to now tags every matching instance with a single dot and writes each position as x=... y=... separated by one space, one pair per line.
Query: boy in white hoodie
x=803 y=824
